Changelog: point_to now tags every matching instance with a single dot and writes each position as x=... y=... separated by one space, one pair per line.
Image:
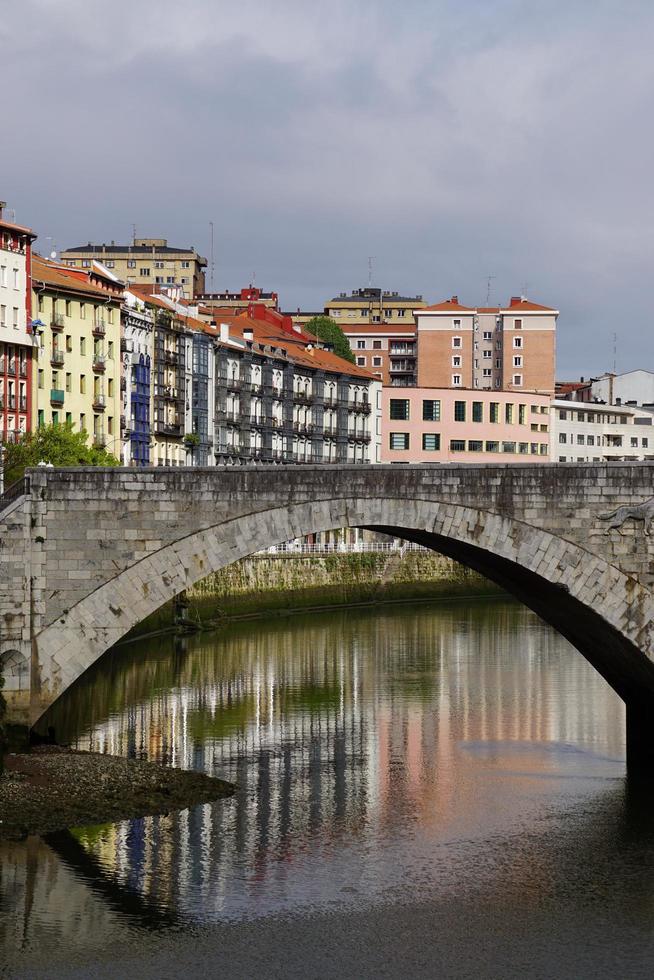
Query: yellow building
x=373 y=305
x=145 y=261
x=77 y=376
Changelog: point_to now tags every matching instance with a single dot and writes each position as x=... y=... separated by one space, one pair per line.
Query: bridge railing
x=16 y=490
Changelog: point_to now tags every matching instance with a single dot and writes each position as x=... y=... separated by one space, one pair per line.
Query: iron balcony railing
x=57 y=358
x=99 y=328
x=57 y=321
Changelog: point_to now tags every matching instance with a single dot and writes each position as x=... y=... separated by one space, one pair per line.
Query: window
x=431 y=441
x=457 y=324
x=82 y=311
x=376 y=318
x=110 y=264
x=41 y=378
x=399 y=440
x=376 y=345
x=82 y=422
x=69 y=418
x=477 y=412
x=361 y=361
x=492 y=447
x=376 y=362
x=487 y=372
x=522 y=414
x=487 y=354
x=563 y=438
x=170 y=279
x=68 y=381
x=431 y=410
x=508 y=413
x=459 y=411
x=55 y=418
x=110 y=349
x=456 y=342
x=590 y=440
x=159 y=280
x=186 y=265
x=475 y=446
x=131 y=263
x=487 y=335
x=400 y=312
x=68 y=307
x=69 y=342
x=82 y=385
x=508 y=447
x=86 y=263
x=517 y=342
x=517 y=324
x=3 y=316
x=399 y=409
x=634 y=441
x=517 y=380
x=456 y=380
x=517 y=360
x=456 y=360
x=457 y=445
x=144 y=272
x=41 y=421
x=361 y=345
x=523 y=447
x=110 y=387
x=645 y=443
x=563 y=414
x=82 y=346
x=158 y=265
x=494 y=411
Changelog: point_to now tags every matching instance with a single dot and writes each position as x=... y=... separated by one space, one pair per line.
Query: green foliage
x=191 y=439
x=325 y=329
x=56 y=444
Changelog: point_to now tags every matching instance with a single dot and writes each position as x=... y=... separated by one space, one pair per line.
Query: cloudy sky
x=449 y=139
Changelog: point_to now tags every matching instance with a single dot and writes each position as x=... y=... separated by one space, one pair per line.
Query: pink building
x=447 y=425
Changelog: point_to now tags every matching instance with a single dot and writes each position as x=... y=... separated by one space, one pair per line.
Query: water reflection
x=410 y=754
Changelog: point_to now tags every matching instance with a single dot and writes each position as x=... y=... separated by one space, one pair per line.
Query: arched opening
x=554 y=577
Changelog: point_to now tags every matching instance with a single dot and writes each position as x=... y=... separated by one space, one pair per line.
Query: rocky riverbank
x=53 y=788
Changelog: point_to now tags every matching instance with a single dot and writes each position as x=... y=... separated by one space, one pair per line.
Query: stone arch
x=15 y=668
x=557 y=578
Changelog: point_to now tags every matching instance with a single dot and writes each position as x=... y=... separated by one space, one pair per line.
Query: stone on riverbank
x=53 y=788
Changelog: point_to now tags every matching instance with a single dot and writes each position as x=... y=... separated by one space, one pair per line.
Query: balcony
x=99 y=363
x=224 y=415
x=57 y=358
x=363 y=407
x=402 y=349
x=57 y=321
x=57 y=396
x=99 y=403
x=99 y=328
x=168 y=428
x=303 y=397
x=303 y=428
x=169 y=392
x=402 y=367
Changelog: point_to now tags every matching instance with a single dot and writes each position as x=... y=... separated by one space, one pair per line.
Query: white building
x=630 y=388
x=596 y=433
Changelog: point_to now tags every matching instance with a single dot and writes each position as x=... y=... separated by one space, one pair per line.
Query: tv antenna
x=615 y=353
x=212 y=262
x=133 y=234
x=53 y=253
x=489 y=279
x=370 y=263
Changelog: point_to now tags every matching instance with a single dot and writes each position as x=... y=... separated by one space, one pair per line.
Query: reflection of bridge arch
x=547 y=572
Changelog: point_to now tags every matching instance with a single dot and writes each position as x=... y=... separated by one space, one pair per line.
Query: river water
x=423 y=791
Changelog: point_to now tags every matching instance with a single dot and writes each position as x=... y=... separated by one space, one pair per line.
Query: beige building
x=77 y=377
x=372 y=305
x=144 y=262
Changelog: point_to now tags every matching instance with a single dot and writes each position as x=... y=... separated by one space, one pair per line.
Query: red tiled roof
x=518 y=303
x=61 y=277
x=447 y=306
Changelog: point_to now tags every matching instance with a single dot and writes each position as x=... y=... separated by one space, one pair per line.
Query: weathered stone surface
x=87 y=554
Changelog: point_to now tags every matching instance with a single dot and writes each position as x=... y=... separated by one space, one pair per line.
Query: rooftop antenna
x=488 y=288
x=133 y=234
x=615 y=353
x=53 y=253
x=525 y=290
x=370 y=261
x=212 y=262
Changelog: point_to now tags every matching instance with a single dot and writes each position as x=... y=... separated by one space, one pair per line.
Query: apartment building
x=442 y=425
x=631 y=388
x=597 y=433
x=238 y=302
x=137 y=353
x=487 y=348
x=281 y=398
x=78 y=366
x=147 y=261
x=372 y=305
x=16 y=337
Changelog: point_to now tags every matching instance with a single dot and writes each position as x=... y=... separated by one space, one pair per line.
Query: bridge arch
x=587 y=599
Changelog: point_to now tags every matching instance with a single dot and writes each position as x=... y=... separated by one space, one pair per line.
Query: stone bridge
x=86 y=554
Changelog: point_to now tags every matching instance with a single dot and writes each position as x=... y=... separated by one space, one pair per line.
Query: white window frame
x=456 y=380
x=517 y=343
x=517 y=380
x=457 y=343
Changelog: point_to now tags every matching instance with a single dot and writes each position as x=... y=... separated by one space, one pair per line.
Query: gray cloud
x=450 y=140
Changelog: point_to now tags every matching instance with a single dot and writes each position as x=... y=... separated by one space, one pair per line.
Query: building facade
x=78 y=343
x=597 y=433
x=238 y=302
x=630 y=388
x=17 y=351
x=441 y=425
x=147 y=261
x=136 y=351
x=493 y=349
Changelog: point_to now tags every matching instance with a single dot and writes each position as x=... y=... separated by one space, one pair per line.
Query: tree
x=325 y=329
x=56 y=444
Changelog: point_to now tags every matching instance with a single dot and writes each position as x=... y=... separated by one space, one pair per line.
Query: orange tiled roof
x=447 y=306
x=60 y=277
x=518 y=303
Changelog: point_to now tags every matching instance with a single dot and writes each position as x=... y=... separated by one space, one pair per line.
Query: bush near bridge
x=56 y=444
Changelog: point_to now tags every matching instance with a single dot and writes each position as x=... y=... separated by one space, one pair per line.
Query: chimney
x=455 y=299
x=515 y=300
x=224 y=332
x=3 y=205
